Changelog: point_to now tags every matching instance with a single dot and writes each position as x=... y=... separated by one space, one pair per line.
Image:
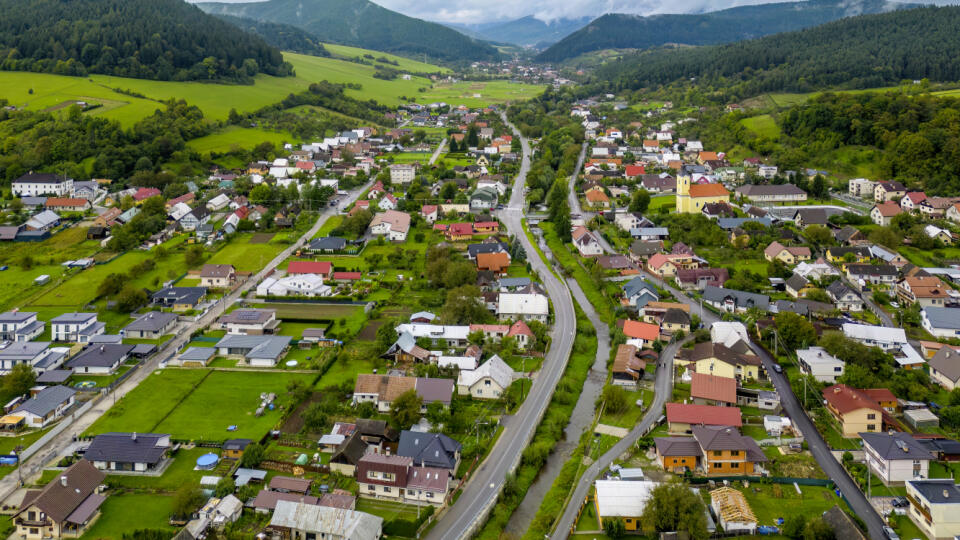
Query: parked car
x=900 y=502
x=891 y=534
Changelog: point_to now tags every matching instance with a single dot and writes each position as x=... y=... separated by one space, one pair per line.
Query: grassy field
x=669 y=202
x=126 y=513
x=314 y=312
x=238 y=137
x=763 y=125
x=248 y=257
x=772 y=503
x=404 y=64
x=154 y=398
x=410 y=157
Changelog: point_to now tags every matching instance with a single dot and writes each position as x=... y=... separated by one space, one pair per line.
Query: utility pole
x=18 y=450
x=523 y=374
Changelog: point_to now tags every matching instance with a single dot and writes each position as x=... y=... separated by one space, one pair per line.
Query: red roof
x=486 y=225
x=846 y=399
x=363 y=203
x=305 y=165
x=145 y=193
x=713 y=387
x=242 y=212
x=185 y=198
x=635 y=170
x=520 y=328
x=56 y=202
x=460 y=229
x=708 y=415
x=641 y=330
x=889 y=209
x=428 y=209
x=879 y=395
x=346 y=275
x=708 y=190
x=309 y=267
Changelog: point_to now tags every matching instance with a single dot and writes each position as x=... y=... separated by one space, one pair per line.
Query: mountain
x=622 y=31
x=281 y=36
x=857 y=52
x=146 y=39
x=526 y=31
x=362 y=23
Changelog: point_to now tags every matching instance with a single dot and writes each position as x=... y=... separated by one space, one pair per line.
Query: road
x=56 y=446
x=480 y=494
x=573 y=198
x=437 y=152
x=662 y=390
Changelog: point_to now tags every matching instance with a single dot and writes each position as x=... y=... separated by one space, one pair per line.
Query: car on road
x=777 y=368
x=499 y=207
x=891 y=534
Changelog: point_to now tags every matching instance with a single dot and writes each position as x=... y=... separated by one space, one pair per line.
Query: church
x=692 y=198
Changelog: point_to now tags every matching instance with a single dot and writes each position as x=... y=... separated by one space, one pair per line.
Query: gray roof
x=73 y=318
x=486 y=247
x=128 y=447
x=797 y=282
x=197 y=353
x=46 y=400
x=23 y=350
x=327 y=242
x=104 y=355
x=152 y=321
x=731 y=223
x=326 y=521
x=16 y=316
x=743 y=299
x=652 y=231
x=429 y=449
x=514 y=282
x=838 y=289
x=248 y=316
x=811 y=216
x=947 y=362
x=54 y=376
x=257 y=346
x=895 y=446
x=937 y=491
x=872 y=269
x=43 y=219
x=943 y=318
x=179 y=295
x=637 y=285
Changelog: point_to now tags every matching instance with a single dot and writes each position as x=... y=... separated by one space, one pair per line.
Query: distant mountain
x=146 y=39
x=362 y=23
x=281 y=36
x=622 y=31
x=527 y=31
x=857 y=52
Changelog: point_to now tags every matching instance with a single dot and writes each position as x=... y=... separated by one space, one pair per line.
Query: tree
x=19 y=381
x=131 y=298
x=314 y=417
x=793 y=526
x=405 y=409
x=262 y=193
x=615 y=398
x=795 y=331
x=186 y=500
x=253 y=454
x=111 y=285
x=673 y=507
x=640 y=201
x=464 y=305
x=614 y=528
x=225 y=486
x=818 y=529
x=818 y=235
x=194 y=255
x=386 y=335
x=886 y=236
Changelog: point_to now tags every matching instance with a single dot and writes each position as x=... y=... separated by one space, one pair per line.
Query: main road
x=61 y=443
x=480 y=494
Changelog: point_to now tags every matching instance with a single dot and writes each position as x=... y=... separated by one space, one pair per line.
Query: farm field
x=314 y=312
x=123 y=513
x=763 y=125
x=405 y=64
x=150 y=402
x=234 y=136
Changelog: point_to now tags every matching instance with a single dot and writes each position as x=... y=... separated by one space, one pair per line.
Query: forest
x=858 y=52
x=282 y=36
x=144 y=39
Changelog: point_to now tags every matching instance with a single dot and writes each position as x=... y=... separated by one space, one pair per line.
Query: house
x=494 y=262
x=429 y=213
x=596 y=198
x=586 y=243
x=855 y=411
x=36 y=184
x=257 y=350
x=195 y=356
x=886 y=338
x=64 y=508
x=706 y=389
x=483 y=199
x=150 y=325
x=249 y=321
x=218 y=275
x=725 y=451
x=936 y=207
x=489 y=381
x=698 y=279
x=382 y=390
x=402 y=173
x=387 y=202
x=818 y=269
x=883 y=213
x=896 y=457
x=75 y=327
x=925 y=291
x=31 y=353
x=179 y=298
x=677 y=454
x=941 y=235
x=820 y=364
x=681 y=417
x=427 y=485
x=289 y=484
x=805 y=217
x=327 y=244
x=844 y=255
x=67 y=204
x=719 y=359
x=888 y=191
x=942 y=322
x=718 y=210
x=935 y=507
x=861 y=187
x=627 y=367
x=734 y=301
x=294 y=285
x=218 y=203
x=392 y=225
x=845 y=298
x=381 y=476
x=527 y=307
x=46 y=406
x=321 y=268
x=692 y=198
x=945 y=367
x=624 y=501
x=20 y=326
x=266 y=501
x=953 y=213
x=864 y=275
x=44 y=221
x=641 y=334
x=638 y=292
x=733 y=511
x=797 y=286
x=430 y=450
x=911 y=201
x=129 y=452
x=779 y=193
x=452 y=336
x=102 y=359
x=848 y=235
x=787 y=255
x=347 y=454
x=300 y=520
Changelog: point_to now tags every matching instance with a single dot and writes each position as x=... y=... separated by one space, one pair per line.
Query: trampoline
x=207 y=461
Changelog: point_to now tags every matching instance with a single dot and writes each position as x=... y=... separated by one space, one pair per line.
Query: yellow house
x=692 y=198
x=616 y=499
x=854 y=410
x=838 y=255
x=935 y=507
x=786 y=255
x=717 y=359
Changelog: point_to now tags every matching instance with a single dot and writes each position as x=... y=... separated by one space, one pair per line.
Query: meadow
x=233 y=137
x=246 y=256
x=123 y=513
x=763 y=125
x=404 y=64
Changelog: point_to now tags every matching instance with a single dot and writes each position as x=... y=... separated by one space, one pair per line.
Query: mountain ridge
x=525 y=31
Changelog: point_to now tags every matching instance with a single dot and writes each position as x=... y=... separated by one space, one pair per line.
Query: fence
x=56 y=430
x=774 y=479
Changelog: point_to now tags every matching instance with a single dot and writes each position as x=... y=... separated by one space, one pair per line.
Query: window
x=31 y=515
x=871 y=416
x=717 y=453
x=386 y=489
x=734 y=452
x=735 y=465
x=871 y=427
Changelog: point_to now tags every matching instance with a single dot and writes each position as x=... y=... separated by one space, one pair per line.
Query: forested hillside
x=858 y=52
x=525 y=31
x=146 y=39
x=362 y=24
x=282 y=36
x=623 y=31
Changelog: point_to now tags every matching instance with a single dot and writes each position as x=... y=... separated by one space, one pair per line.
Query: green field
x=405 y=64
x=763 y=125
x=410 y=157
x=126 y=513
x=198 y=404
x=316 y=312
x=247 y=257
x=238 y=137
x=669 y=202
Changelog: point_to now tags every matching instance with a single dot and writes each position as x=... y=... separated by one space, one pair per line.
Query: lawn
x=763 y=125
x=178 y=473
x=668 y=201
x=128 y=512
x=632 y=415
x=237 y=137
x=404 y=64
x=315 y=312
x=248 y=257
x=7 y=444
x=387 y=510
x=146 y=405
x=769 y=503
x=409 y=157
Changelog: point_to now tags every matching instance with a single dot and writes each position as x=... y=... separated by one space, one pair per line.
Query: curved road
x=480 y=494
x=56 y=446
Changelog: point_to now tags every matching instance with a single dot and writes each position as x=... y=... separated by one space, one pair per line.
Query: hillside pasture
x=237 y=137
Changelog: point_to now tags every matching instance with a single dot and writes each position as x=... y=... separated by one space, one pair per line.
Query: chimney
x=102 y=348
x=133 y=436
x=63 y=480
x=946 y=494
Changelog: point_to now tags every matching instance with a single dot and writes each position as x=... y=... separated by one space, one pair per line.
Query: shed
x=921 y=418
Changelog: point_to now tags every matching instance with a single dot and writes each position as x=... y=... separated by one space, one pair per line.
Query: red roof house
x=680 y=416
x=322 y=268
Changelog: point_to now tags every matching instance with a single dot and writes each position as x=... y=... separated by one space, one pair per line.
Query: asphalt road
x=60 y=443
x=480 y=493
x=572 y=198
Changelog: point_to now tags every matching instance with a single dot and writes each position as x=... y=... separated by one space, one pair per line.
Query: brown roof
x=889 y=209
x=289 y=483
x=338 y=500
x=846 y=399
x=216 y=270
x=59 y=498
x=626 y=361
x=713 y=387
x=702 y=351
x=268 y=499
x=493 y=261
x=387 y=387
x=64 y=201
x=708 y=190
x=687 y=413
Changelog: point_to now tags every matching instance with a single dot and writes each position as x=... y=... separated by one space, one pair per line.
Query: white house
x=295 y=285
x=46 y=406
x=19 y=326
x=391 y=224
x=218 y=203
x=489 y=381
x=942 y=322
x=586 y=243
x=896 y=457
x=75 y=327
x=876 y=336
x=523 y=306
x=822 y=365
x=402 y=173
x=36 y=184
x=454 y=336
